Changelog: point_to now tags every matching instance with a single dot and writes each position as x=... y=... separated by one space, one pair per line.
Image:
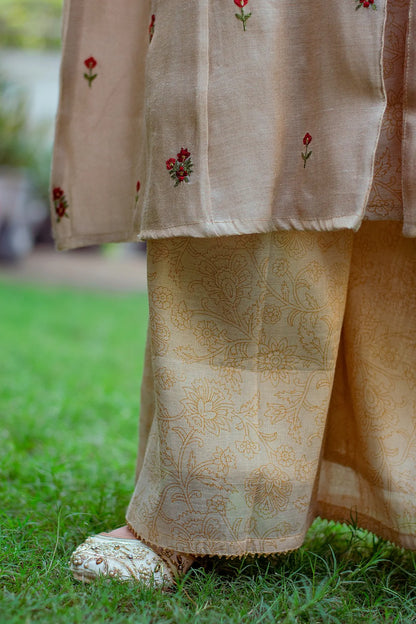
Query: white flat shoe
x=120 y=558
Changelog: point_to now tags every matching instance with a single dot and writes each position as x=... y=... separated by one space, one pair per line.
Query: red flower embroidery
x=60 y=210
x=181 y=174
x=152 y=28
x=57 y=192
x=307 y=139
x=305 y=155
x=60 y=203
x=137 y=190
x=242 y=16
x=183 y=155
x=180 y=168
x=90 y=63
x=365 y=4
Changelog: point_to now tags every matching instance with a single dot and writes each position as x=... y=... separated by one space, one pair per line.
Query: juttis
x=243 y=340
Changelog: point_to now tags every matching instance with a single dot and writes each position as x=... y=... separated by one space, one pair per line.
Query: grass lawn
x=69 y=398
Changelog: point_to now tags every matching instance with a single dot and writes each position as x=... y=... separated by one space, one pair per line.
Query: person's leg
x=369 y=463
x=118 y=553
x=145 y=423
x=244 y=336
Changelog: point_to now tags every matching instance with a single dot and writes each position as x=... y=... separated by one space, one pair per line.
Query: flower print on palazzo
x=152 y=28
x=366 y=4
x=180 y=168
x=305 y=155
x=268 y=490
x=60 y=203
x=243 y=17
x=206 y=408
x=90 y=63
x=137 y=190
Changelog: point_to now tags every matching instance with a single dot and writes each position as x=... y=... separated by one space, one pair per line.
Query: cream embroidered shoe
x=120 y=558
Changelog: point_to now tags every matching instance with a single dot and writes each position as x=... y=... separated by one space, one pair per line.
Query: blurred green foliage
x=14 y=147
x=20 y=146
x=30 y=23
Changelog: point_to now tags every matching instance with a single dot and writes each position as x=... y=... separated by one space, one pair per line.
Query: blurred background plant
x=30 y=52
x=29 y=24
x=25 y=157
x=22 y=145
x=30 y=35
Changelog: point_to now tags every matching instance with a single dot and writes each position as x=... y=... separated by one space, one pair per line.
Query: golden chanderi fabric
x=244 y=437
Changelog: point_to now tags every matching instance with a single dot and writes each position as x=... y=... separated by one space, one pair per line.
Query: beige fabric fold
x=244 y=435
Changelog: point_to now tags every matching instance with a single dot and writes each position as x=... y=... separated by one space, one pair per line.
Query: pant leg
x=244 y=333
x=369 y=462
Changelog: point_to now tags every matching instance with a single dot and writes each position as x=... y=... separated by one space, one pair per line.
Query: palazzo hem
x=224 y=555
x=325 y=511
x=336 y=513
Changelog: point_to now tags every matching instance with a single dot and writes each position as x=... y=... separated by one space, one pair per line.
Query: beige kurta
x=180 y=119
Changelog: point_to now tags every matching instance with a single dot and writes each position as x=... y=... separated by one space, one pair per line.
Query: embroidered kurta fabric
x=386 y=197
x=207 y=119
x=279 y=384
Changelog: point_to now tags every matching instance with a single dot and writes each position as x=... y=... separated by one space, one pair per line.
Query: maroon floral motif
x=180 y=168
x=90 y=63
x=242 y=16
x=137 y=190
x=57 y=193
x=60 y=203
x=366 y=4
x=181 y=173
x=183 y=155
x=152 y=28
x=305 y=155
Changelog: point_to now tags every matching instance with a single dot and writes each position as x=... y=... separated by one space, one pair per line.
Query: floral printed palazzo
x=280 y=384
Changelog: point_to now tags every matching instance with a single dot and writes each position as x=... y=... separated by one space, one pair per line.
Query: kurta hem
x=254 y=226
x=72 y=242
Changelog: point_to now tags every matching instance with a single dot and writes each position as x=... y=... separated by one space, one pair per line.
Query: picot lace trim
x=183 y=561
x=178 y=562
